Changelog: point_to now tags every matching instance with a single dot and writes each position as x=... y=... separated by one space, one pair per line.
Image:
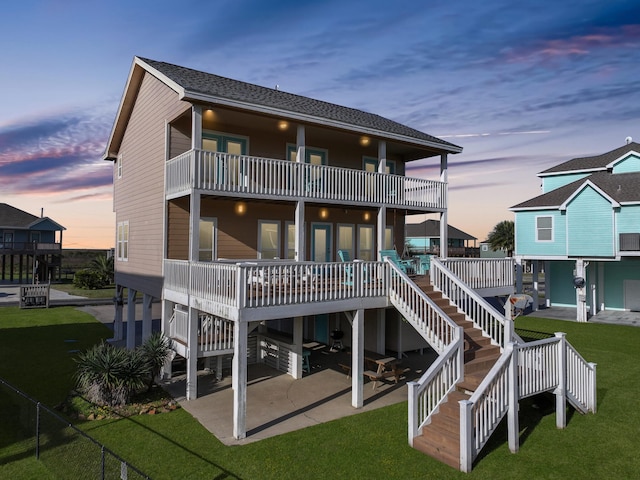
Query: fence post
x=38 y=431
x=561 y=390
x=466 y=436
x=594 y=391
x=413 y=416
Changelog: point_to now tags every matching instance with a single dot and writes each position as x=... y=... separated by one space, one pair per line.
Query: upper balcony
x=30 y=247
x=267 y=178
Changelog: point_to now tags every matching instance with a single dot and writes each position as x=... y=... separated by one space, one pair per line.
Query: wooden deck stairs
x=440 y=439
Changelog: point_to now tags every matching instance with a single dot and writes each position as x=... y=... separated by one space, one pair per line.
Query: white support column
x=131 y=319
x=382 y=156
x=167 y=312
x=512 y=414
x=118 y=301
x=297 y=347
x=300 y=254
x=196 y=126
x=194 y=227
x=239 y=380
x=381 y=225
x=147 y=301
x=518 y=274
x=581 y=292
x=535 y=266
x=547 y=284
x=444 y=227
x=466 y=436
x=192 y=355
x=560 y=392
x=357 y=360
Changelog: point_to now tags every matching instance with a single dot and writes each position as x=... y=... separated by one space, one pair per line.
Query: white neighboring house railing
x=523 y=370
x=482 y=273
x=267 y=177
x=475 y=307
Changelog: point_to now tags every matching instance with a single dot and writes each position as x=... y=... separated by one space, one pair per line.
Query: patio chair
x=422 y=264
x=345 y=256
x=407 y=266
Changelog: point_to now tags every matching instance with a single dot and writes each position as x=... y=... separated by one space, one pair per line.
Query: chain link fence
x=29 y=428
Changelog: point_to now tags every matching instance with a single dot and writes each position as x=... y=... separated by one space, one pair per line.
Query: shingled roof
x=431 y=229
x=621 y=187
x=201 y=86
x=14 y=218
x=595 y=163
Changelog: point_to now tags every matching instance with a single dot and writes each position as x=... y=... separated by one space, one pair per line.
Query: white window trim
x=121 y=242
x=538 y=229
x=119 y=166
x=214 y=238
x=278 y=239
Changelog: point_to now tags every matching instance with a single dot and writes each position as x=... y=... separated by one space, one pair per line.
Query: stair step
x=481 y=352
x=443 y=448
x=482 y=364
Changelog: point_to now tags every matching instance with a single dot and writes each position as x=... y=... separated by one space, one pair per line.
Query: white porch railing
x=420 y=311
x=179 y=325
x=431 y=390
x=476 y=308
x=481 y=414
x=214 y=333
x=482 y=273
x=523 y=370
x=266 y=177
x=276 y=283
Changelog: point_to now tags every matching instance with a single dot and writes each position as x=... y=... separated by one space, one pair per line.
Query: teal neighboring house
x=30 y=246
x=586 y=228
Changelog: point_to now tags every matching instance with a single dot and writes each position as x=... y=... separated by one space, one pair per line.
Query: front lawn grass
x=369 y=445
x=106 y=292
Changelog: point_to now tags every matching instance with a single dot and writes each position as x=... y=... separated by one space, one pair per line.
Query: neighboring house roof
x=431 y=228
x=201 y=87
x=592 y=164
x=14 y=218
x=621 y=188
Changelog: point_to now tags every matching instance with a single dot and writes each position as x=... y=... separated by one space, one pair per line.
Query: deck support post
x=192 y=355
x=357 y=360
x=239 y=380
x=147 y=301
x=297 y=347
x=131 y=319
x=444 y=227
x=535 y=267
x=167 y=312
x=512 y=413
x=519 y=275
x=561 y=391
x=117 y=319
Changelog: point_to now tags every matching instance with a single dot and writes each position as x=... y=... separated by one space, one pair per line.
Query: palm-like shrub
x=155 y=351
x=110 y=376
x=103 y=267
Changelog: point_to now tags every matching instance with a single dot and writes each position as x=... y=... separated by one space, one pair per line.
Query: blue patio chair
x=345 y=256
x=407 y=266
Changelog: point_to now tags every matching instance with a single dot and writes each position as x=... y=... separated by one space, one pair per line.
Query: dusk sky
x=520 y=85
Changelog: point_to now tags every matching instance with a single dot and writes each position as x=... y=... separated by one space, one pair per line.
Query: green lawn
x=70 y=288
x=34 y=355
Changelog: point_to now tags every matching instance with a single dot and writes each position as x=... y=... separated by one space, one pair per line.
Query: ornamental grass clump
x=110 y=376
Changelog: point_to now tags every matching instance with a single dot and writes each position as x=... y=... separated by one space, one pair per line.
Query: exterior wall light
x=365 y=141
x=366 y=216
x=324 y=213
x=282 y=125
x=240 y=208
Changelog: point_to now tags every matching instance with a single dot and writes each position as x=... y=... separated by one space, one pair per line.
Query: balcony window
x=544 y=229
x=366 y=243
x=119 y=166
x=268 y=239
x=314 y=156
x=346 y=236
x=207 y=240
x=291 y=240
x=122 y=241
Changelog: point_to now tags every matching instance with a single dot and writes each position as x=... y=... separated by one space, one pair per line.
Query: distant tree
x=502 y=237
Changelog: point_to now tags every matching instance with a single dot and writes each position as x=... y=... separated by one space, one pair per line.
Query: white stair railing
x=523 y=370
x=475 y=307
x=214 y=333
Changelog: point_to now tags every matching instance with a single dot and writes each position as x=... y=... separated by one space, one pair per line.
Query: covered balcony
x=232 y=175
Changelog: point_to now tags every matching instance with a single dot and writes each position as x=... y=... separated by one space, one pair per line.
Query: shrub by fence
x=29 y=428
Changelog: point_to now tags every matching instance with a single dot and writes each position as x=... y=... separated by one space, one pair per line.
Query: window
x=268 y=239
x=119 y=166
x=544 y=229
x=207 y=242
x=314 y=156
x=388 y=238
x=366 y=243
x=371 y=165
x=35 y=237
x=291 y=240
x=485 y=248
x=122 y=241
x=346 y=234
